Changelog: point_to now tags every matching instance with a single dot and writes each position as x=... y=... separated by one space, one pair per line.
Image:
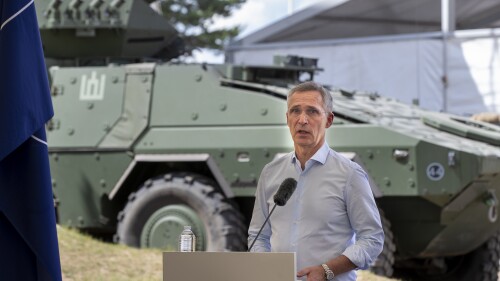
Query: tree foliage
x=194 y=20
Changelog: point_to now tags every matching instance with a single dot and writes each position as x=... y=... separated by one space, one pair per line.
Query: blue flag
x=28 y=237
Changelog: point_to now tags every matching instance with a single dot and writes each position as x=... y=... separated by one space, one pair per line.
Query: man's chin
x=303 y=143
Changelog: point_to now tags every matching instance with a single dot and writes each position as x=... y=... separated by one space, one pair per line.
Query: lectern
x=228 y=266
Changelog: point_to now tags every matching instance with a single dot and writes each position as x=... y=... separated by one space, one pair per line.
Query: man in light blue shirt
x=331 y=220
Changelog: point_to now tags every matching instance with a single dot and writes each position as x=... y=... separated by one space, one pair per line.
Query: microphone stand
x=255 y=239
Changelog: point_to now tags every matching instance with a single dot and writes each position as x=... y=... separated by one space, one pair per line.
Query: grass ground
x=87 y=259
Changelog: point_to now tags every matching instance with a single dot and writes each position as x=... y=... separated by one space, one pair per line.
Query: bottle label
x=186 y=243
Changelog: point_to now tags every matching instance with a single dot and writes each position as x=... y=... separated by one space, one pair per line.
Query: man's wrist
x=328 y=272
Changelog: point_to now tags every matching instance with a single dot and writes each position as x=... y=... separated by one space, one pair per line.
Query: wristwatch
x=328 y=273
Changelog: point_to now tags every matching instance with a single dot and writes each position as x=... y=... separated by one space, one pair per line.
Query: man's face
x=307 y=120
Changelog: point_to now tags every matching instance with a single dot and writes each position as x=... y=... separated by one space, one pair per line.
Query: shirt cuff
x=358 y=256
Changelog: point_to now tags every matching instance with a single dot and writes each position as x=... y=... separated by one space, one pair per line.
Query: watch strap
x=328 y=272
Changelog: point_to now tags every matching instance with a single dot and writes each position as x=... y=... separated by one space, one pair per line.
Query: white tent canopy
x=394 y=47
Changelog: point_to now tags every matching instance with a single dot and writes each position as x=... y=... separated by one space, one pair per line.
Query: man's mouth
x=302 y=132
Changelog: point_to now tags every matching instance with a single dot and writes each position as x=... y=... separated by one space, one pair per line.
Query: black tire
x=481 y=264
x=384 y=264
x=221 y=222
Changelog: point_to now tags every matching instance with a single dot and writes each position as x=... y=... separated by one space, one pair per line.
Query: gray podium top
x=228 y=266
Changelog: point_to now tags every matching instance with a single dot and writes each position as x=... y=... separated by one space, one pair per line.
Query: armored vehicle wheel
x=481 y=264
x=383 y=265
x=156 y=214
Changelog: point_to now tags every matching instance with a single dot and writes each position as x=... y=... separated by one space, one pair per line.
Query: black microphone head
x=285 y=191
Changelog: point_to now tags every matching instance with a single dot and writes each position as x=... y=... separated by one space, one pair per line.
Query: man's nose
x=303 y=118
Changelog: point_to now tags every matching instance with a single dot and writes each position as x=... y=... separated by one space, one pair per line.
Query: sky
x=252 y=16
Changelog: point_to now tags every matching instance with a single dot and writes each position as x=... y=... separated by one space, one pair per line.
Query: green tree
x=194 y=20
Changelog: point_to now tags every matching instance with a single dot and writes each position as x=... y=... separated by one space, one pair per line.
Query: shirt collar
x=320 y=155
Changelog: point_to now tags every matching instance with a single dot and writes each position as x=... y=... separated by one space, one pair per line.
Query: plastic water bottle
x=187 y=240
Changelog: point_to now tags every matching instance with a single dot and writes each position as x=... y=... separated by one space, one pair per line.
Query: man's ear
x=329 y=120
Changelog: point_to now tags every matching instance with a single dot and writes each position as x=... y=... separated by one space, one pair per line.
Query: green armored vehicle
x=141 y=146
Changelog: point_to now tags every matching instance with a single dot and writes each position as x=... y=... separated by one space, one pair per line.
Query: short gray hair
x=313 y=86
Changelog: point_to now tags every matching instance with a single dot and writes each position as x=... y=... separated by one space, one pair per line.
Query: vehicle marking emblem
x=435 y=171
x=93 y=88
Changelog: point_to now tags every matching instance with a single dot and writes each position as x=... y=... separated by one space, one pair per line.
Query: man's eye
x=294 y=111
x=312 y=112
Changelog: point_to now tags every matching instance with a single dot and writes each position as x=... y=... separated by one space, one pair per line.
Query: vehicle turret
x=114 y=29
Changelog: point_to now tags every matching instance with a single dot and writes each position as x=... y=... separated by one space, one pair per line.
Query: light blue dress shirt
x=332 y=212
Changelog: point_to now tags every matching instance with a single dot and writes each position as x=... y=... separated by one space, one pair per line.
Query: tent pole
x=448 y=25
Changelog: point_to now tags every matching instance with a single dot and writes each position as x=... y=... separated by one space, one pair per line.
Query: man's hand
x=314 y=273
x=338 y=265
x=489 y=117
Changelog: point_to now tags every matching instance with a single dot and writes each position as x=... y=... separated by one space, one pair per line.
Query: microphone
x=285 y=191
